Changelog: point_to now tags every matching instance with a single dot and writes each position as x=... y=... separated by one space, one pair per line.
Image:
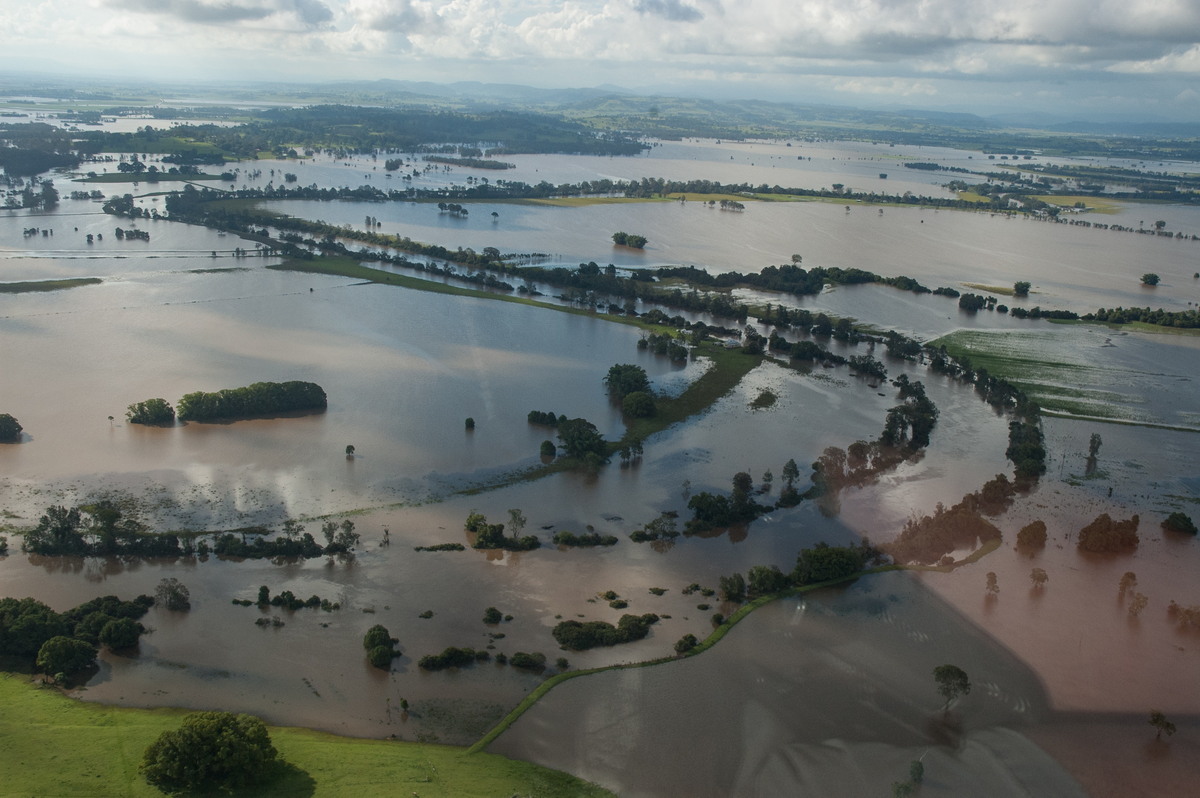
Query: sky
x=1075 y=59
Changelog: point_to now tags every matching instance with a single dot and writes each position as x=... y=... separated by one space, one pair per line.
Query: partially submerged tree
x=952 y=681
x=1162 y=726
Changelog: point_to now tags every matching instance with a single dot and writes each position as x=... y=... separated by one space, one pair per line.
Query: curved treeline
x=261 y=398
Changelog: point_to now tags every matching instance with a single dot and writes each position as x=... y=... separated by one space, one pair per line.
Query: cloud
x=674 y=10
x=308 y=13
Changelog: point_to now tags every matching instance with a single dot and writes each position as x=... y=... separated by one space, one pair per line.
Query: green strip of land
x=56 y=746
x=47 y=285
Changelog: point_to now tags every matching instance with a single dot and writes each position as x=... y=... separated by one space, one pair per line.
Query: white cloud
x=872 y=47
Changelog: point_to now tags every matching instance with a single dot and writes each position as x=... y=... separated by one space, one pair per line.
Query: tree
x=791 y=472
x=1094 y=444
x=10 y=429
x=516 y=522
x=1039 y=578
x=492 y=616
x=580 y=438
x=121 y=633
x=549 y=449
x=62 y=654
x=952 y=682
x=1140 y=600
x=151 y=411
x=349 y=451
x=1149 y=278
x=624 y=378
x=470 y=423
x=1021 y=288
x=1032 y=535
x=173 y=594
x=639 y=404
x=1159 y=721
x=210 y=750
x=1179 y=522
x=993 y=588
x=1128 y=581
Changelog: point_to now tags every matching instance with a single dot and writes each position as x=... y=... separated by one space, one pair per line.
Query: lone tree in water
x=952 y=682
x=1159 y=721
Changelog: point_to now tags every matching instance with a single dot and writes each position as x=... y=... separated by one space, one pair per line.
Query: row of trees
x=104 y=529
x=260 y=398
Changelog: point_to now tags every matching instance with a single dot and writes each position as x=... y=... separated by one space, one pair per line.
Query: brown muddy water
x=802 y=697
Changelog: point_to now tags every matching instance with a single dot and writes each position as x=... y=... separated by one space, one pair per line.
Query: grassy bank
x=47 y=285
x=57 y=746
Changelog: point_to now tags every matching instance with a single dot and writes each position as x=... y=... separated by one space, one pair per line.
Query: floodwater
x=403 y=370
x=1070 y=267
x=831 y=691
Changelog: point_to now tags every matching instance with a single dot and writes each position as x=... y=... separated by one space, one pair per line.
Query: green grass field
x=51 y=745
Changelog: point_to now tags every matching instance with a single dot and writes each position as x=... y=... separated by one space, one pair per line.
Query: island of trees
x=629 y=240
x=258 y=399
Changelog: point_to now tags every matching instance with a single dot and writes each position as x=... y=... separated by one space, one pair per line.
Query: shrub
x=492 y=615
x=686 y=644
x=1032 y=536
x=1178 y=522
x=1106 y=535
x=528 y=662
x=10 y=429
x=451 y=657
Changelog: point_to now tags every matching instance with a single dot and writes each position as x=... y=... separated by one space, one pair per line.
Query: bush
x=549 y=449
x=686 y=644
x=210 y=750
x=1178 y=522
x=1106 y=535
x=492 y=616
x=380 y=646
x=528 y=662
x=10 y=429
x=451 y=657
x=1150 y=278
x=578 y=636
x=1032 y=536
